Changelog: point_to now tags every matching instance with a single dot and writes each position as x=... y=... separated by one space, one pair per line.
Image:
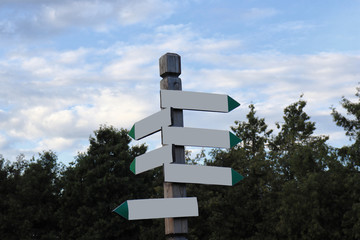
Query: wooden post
x=170 y=69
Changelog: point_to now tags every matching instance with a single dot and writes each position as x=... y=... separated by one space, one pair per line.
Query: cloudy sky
x=68 y=66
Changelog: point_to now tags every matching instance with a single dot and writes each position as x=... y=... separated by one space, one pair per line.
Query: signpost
x=176 y=207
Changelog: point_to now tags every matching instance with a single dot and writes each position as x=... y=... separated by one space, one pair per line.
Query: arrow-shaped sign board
x=151 y=124
x=199 y=174
x=199 y=137
x=158 y=208
x=152 y=159
x=197 y=101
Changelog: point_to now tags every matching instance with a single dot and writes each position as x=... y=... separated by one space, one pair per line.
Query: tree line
x=296 y=186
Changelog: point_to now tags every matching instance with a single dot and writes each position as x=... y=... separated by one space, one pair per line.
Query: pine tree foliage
x=350 y=156
x=31 y=198
x=238 y=212
x=99 y=181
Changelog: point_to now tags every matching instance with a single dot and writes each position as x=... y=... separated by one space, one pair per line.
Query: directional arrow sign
x=158 y=208
x=182 y=173
x=151 y=124
x=152 y=159
x=199 y=137
x=197 y=101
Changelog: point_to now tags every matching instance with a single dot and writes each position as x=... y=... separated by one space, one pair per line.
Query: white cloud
x=6 y=27
x=140 y=11
x=293 y=26
x=130 y=61
x=57 y=143
x=37 y=18
x=3 y=141
x=73 y=56
x=259 y=13
x=114 y=107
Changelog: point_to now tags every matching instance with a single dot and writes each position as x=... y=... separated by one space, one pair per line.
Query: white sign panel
x=197 y=101
x=198 y=137
x=151 y=124
x=182 y=173
x=152 y=159
x=158 y=208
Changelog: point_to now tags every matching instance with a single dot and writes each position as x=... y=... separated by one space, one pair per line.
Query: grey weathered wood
x=170 y=69
x=170 y=64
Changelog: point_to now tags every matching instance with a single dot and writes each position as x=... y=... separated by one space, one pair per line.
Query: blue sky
x=68 y=66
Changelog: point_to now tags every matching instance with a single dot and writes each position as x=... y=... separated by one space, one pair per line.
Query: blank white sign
x=182 y=173
x=195 y=137
x=163 y=208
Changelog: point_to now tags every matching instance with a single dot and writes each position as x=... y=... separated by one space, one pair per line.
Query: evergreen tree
x=99 y=181
x=31 y=197
x=294 y=148
x=350 y=157
x=4 y=191
x=302 y=163
x=350 y=154
x=10 y=222
x=237 y=212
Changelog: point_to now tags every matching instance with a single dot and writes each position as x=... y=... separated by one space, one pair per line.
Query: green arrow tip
x=132 y=166
x=234 y=140
x=232 y=104
x=236 y=177
x=122 y=210
x=132 y=132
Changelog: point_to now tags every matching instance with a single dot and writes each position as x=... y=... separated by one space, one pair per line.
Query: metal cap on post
x=170 y=69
